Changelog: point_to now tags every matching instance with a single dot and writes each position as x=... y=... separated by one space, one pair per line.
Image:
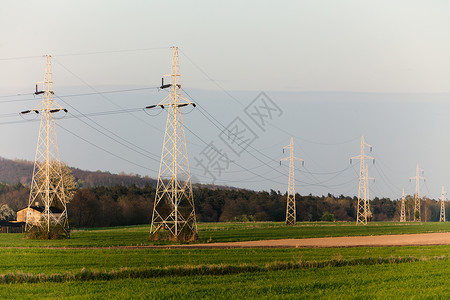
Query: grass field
x=251 y=273
x=429 y=279
x=226 y=232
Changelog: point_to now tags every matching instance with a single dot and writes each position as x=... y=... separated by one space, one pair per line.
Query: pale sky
x=335 y=69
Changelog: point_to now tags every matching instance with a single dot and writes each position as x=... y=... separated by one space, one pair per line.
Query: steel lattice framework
x=442 y=214
x=47 y=186
x=403 y=209
x=368 y=209
x=290 y=207
x=363 y=190
x=173 y=210
x=417 y=199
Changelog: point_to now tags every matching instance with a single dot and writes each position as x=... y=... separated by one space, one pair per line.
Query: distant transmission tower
x=363 y=191
x=403 y=209
x=369 y=210
x=47 y=186
x=290 y=207
x=173 y=210
x=417 y=215
x=442 y=218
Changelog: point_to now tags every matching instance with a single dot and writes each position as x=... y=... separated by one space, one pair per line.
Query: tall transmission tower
x=173 y=210
x=363 y=191
x=417 y=200
x=290 y=207
x=442 y=214
x=403 y=209
x=368 y=210
x=47 y=185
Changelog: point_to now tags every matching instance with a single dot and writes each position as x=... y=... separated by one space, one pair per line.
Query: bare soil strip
x=422 y=239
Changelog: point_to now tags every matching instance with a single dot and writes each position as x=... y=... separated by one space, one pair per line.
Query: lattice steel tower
x=442 y=214
x=290 y=207
x=363 y=190
x=417 y=200
x=403 y=208
x=47 y=186
x=367 y=178
x=173 y=210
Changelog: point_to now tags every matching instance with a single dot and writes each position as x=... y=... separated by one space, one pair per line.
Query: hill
x=20 y=171
x=17 y=171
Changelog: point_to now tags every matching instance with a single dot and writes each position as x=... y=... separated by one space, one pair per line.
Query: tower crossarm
x=417 y=178
x=293 y=158
x=48 y=104
x=362 y=157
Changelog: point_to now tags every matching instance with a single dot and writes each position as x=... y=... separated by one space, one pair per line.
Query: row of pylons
x=173 y=213
x=363 y=211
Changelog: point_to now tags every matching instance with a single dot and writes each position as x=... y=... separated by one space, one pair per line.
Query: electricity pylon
x=417 y=215
x=368 y=210
x=362 y=207
x=442 y=218
x=47 y=185
x=290 y=207
x=403 y=208
x=173 y=209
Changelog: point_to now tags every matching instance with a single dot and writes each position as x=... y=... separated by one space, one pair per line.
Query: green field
x=87 y=267
x=226 y=232
x=419 y=280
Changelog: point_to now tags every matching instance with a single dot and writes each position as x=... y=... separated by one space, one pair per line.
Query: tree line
x=131 y=205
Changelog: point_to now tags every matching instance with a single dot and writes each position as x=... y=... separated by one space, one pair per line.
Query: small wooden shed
x=34 y=213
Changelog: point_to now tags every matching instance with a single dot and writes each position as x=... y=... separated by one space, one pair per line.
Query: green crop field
x=429 y=280
x=89 y=266
x=226 y=232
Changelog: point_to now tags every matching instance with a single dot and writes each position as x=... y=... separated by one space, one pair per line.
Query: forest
x=118 y=205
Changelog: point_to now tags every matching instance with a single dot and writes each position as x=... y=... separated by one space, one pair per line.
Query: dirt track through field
x=421 y=239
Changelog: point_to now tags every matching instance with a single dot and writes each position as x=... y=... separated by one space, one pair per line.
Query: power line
x=201 y=109
x=242 y=167
x=105 y=150
x=323 y=173
x=8 y=115
x=386 y=180
x=21 y=57
x=16 y=95
x=17 y=100
x=106 y=98
x=114 y=134
x=71 y=116
x=318 y=183
x=314 y=142
x=110 y=92
x=226 y=92
x=212 y=80
x=85 y=53
x=76 y=95
x=109 y=51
